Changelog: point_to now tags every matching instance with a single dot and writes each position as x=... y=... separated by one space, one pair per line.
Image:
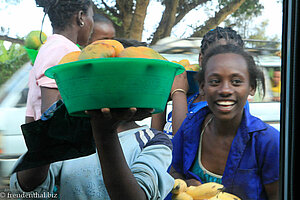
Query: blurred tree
x=259 y=33
x=241 y=19
x=11 y=60
x=129 y=15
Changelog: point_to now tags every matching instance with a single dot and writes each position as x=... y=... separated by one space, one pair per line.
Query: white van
x=13 y=96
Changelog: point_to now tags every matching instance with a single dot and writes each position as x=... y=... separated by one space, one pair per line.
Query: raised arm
x=158 y=120
x=179 y=104
x=118 y=178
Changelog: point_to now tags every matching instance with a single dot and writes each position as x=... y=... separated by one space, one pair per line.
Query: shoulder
x=55 y=48
x=269 y=135
x=256 y=125
x=193 y=121
x=58 y=44
x=259 y=128
x=150 y=137
x=264 y=135
x=63 y=43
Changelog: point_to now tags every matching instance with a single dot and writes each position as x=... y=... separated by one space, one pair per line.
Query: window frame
x=289 y=98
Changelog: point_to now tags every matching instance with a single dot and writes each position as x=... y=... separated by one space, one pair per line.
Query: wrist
x=178 y=91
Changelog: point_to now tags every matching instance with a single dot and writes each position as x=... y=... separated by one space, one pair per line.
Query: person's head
x=219 y=36
x=103 y=29
x=276 y=77
x=76 y=16
x=228 y=76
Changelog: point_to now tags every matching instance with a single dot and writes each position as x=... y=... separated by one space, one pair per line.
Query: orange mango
x=70 y=57
x=116 y=45
x=97 y=50
x=184 y=62
x=193 y=67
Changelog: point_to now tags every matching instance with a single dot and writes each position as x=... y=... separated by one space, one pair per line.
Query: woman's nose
x=225 y=89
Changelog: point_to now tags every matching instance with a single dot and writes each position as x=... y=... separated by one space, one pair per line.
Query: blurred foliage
x=243 y=17
x=248 y=8
x=11 y=60
x=259 y=33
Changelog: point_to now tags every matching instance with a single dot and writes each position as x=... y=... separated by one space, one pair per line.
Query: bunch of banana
x=205 y=190
x=211 y=190
x=225 y=196
x=179 y=190
x=179 y=186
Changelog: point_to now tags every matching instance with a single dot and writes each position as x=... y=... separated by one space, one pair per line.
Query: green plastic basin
x=32 y=53
x=114 y=83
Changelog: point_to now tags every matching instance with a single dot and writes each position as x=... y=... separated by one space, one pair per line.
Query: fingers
x=126 y=114
x=118 y=114
x=106 y=113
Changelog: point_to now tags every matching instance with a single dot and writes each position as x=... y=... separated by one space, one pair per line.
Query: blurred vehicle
x=13 y=96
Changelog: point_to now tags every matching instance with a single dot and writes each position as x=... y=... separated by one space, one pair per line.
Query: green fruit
x=33 y=41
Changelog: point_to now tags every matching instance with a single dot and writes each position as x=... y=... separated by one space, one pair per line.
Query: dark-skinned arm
x=179 y=103
x=118 y=178
x=31 y=178
x=49 y=96
x=272 y=190
x=158 y=120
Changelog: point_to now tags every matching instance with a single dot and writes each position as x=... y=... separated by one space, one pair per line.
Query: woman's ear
x=201 y=89
x=200 y=58
x=80 y=18
x=252 y=91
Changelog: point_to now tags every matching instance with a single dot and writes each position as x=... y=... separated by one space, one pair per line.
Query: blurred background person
x=103 y=28
x=276 y=85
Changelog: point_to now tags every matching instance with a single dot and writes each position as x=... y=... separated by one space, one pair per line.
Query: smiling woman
x=232 y=145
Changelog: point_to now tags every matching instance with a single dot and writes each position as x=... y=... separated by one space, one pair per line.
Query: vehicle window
x=23 y=99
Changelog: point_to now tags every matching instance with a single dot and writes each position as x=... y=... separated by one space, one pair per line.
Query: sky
x=25 y=17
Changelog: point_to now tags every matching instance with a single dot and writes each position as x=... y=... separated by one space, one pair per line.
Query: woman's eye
x=214 y=82
x=237 y=81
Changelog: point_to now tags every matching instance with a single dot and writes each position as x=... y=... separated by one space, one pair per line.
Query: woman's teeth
x=225 y=103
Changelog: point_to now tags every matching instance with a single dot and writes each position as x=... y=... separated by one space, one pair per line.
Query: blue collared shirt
x=253 y=160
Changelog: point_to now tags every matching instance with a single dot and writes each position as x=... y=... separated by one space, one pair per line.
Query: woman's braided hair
x=60 y=12
x=213 y=36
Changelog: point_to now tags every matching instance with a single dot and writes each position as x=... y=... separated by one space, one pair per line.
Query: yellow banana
x=225 y=196
x=179 y=186
x=182 y=196
x=205 y=191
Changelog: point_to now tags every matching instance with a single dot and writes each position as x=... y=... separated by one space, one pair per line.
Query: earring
x=81 y=24
x=201 y=92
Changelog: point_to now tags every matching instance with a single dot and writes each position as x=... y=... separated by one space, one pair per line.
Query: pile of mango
x=110 y=48
x=187 y=65
x=113 y=48
x=211 y=191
